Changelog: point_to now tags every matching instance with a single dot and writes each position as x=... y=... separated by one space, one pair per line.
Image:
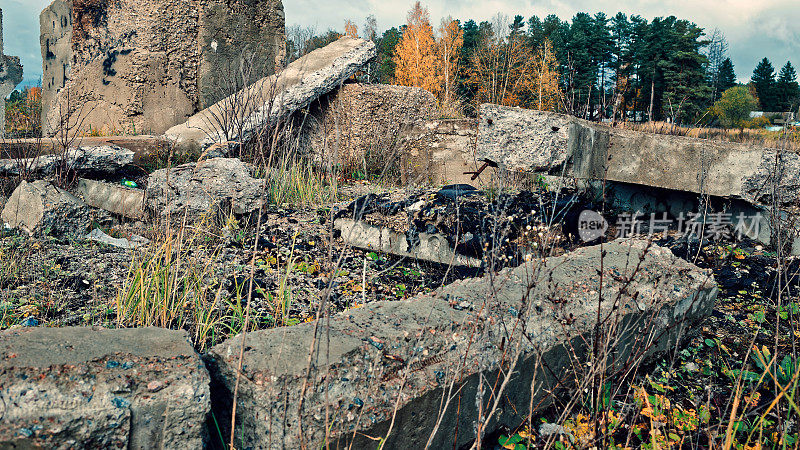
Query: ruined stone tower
x=10 y=77
x=142 y=66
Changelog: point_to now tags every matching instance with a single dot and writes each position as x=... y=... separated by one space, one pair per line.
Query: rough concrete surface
x=133 y=66
x=519 y=140
x=106 y=158
x=196 y=189
x=527 y=140
x=73 y=387
x=40 y=207
x=440 y=152
x=113 y=198
x=361 y=123
x=274 y=97
x=405 y=355
x=10 y=77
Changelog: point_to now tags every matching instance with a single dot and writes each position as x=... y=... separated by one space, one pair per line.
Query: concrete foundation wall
x=134 y=66
x=361 y=121
x=438 y=152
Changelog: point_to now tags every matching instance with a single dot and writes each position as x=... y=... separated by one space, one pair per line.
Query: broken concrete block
x=10 y=77
x=274 y=97
x=204 y=187
x=103 y=158
x=125 y=201
x=79 y=387
x=435 y=356
x=430 y=247
x=361 y=123
x=441 y=152
x=519 y=140
x=40 y=207
x=541 y=141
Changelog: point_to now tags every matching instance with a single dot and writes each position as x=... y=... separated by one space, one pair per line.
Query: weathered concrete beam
x=104 y=158
x=274 y=97
x=411 y=362
x=96 y=388
x=540 y=141
x=114 y=198
x=431 y=247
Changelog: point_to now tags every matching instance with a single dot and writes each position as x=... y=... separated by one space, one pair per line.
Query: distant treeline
x=621 y=67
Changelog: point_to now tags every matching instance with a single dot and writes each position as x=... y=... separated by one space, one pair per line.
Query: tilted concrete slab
x=274 y=97
x=430 y=247
x=114 y=198
x=437 y=355
x=540 y=141
x=80 y=387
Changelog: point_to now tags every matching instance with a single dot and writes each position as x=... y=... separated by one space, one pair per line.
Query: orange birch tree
x=350 y=29
x=415 y=54
x=547 y=93
x=449 y=50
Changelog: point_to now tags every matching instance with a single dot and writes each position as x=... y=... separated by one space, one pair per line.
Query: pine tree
x=763 y=80
x=386 y=46
x=726 y=78
x=535 y=32
x=517 y=25
x=787 y=88
x=602 y=51
x=686 y=89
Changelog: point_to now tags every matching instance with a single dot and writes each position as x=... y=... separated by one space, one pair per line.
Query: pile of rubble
x=415 y=369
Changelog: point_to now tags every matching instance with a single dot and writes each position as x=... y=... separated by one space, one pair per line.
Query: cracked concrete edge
x=369 y=360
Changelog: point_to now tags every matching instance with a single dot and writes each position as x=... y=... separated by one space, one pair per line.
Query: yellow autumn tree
x=451 y=39
x=415 y=55
x=350 y=29
x=547 y=93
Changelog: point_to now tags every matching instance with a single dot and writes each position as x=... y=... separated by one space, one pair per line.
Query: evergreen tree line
x=621 y=67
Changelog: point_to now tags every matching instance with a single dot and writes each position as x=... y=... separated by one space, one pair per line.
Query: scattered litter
x=30 y=322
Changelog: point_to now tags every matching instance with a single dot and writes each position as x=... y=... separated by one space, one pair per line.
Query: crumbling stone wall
x=10 y=77
x=440 y=152
x=55 y=24
x=142 y=66
x=365 y=120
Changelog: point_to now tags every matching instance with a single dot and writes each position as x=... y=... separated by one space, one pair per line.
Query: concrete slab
x=41 y=207
x=80 y=387
x=412 y=362
x=540 y=141
x=274 y=97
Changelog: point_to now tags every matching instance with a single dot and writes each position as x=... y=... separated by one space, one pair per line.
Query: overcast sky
x=754 y=28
